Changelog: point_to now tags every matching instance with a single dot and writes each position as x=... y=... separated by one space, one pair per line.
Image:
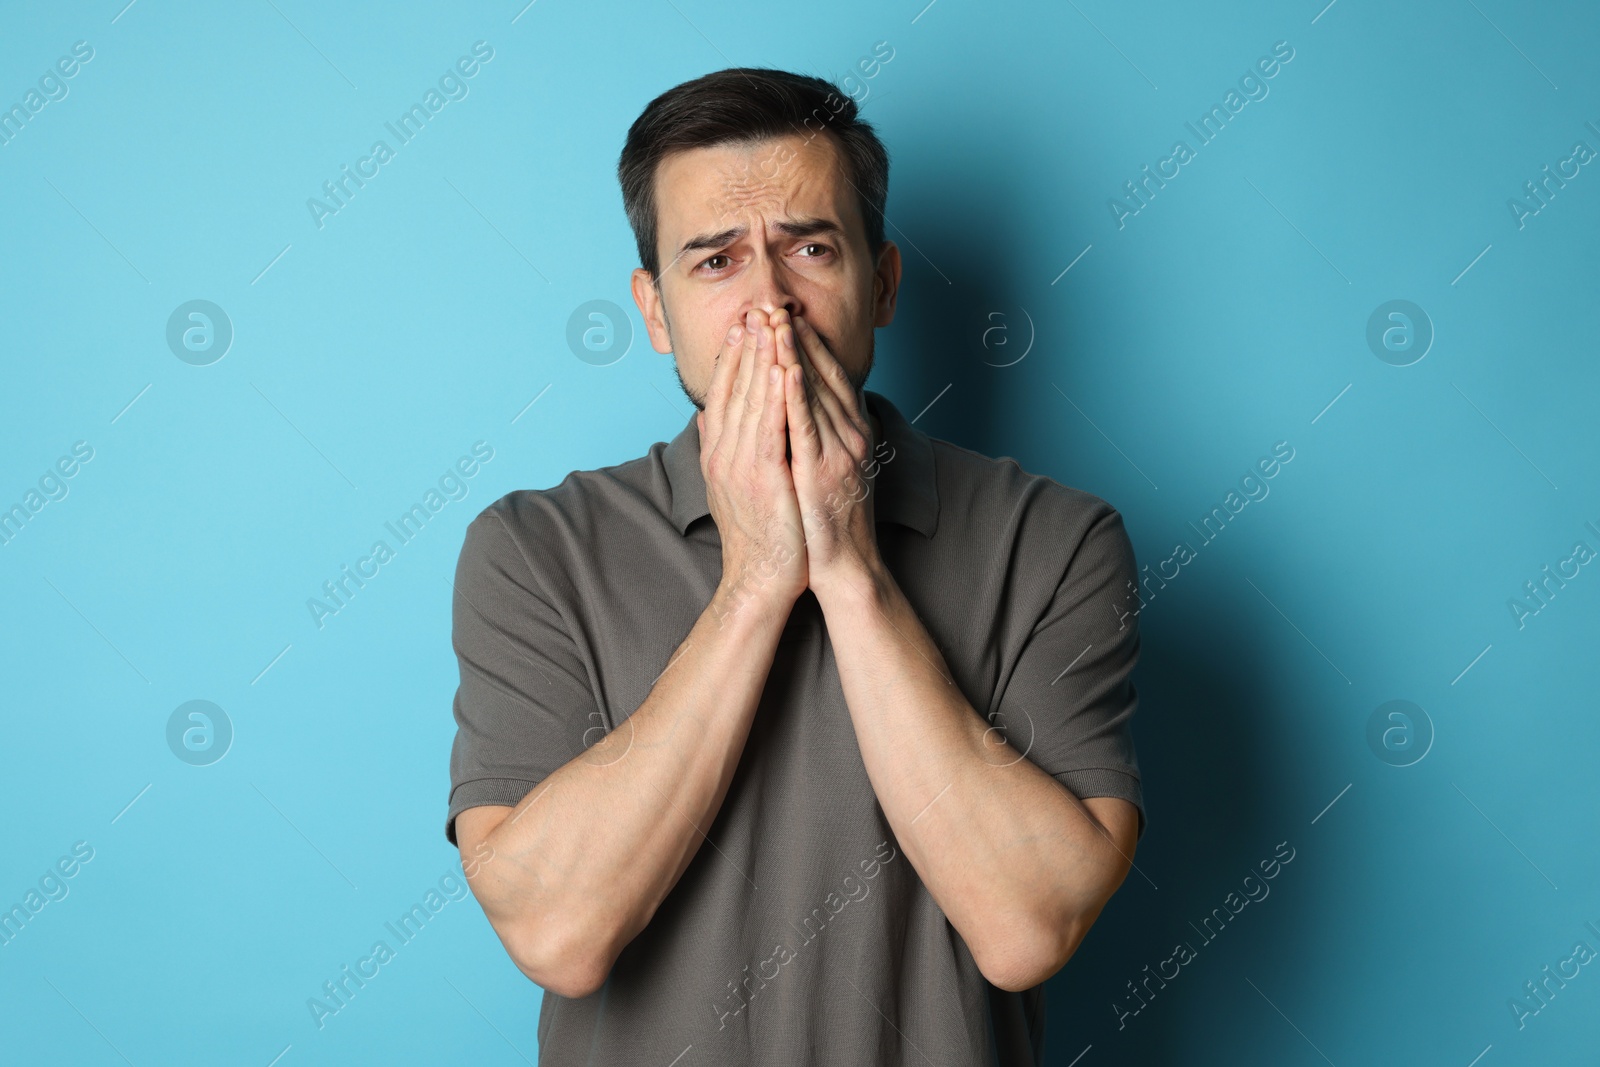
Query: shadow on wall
x=958 y=317
x=1202 y=700
x=1199 y=732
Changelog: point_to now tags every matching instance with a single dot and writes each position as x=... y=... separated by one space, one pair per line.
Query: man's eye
x=710 y=262
x=822 y=250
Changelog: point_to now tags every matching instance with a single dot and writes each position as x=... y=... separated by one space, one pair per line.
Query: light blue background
x=1226 y=316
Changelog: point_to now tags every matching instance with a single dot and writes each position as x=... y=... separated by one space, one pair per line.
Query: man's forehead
x=709 y=188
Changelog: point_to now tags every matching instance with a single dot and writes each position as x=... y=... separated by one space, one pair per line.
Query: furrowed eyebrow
x=805 y=227
x=809 y=227
x=710 y=240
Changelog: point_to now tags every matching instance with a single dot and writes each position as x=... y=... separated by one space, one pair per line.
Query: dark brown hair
x=742 y=105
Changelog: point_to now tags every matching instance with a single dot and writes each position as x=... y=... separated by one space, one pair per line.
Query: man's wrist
x=750 y=598
x=860 y=585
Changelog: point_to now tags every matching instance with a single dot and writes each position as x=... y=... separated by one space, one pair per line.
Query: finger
x=812 y=386
x=776 y=426
x=789 y=356
x=829 y=371
x=838 y=393
x=738 y=399
x=753 y=437
x=805 y=441
x=782 y=327
x=773 y=422
x=722 y=376
x=816 y=358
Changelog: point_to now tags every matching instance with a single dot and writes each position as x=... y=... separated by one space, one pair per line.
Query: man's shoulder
x=978 y=488
x=1046 y=532
x=578 y=508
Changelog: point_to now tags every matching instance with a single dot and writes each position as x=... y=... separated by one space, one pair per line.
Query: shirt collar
x=906 y=483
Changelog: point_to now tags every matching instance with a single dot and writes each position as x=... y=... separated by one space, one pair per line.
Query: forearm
x=1016 y=862
x=581 y=864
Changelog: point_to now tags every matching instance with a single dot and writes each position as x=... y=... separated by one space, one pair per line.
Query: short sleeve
x=525 y=701
x=1070 y=698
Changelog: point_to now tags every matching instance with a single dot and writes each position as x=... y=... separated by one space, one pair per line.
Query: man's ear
x=648 y=296
x=885 y=284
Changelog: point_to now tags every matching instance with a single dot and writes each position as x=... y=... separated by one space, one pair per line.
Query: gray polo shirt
x=805 y=935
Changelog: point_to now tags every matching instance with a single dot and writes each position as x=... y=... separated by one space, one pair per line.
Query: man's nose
x=769 y=290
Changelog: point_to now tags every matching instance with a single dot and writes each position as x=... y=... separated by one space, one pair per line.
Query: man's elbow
x=559 y=962
x=1030 y=960
x=1052 y=933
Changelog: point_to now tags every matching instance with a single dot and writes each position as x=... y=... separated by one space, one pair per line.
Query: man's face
x=767 y=225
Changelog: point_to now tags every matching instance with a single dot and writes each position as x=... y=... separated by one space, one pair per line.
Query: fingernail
x=788 y=337
x=734 y=333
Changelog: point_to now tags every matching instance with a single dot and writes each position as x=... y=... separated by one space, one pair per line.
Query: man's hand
x=831 y=461
x=749 y=488
x=573 y=873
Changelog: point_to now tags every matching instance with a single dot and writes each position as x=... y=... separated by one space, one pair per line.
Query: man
x=804 y=738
